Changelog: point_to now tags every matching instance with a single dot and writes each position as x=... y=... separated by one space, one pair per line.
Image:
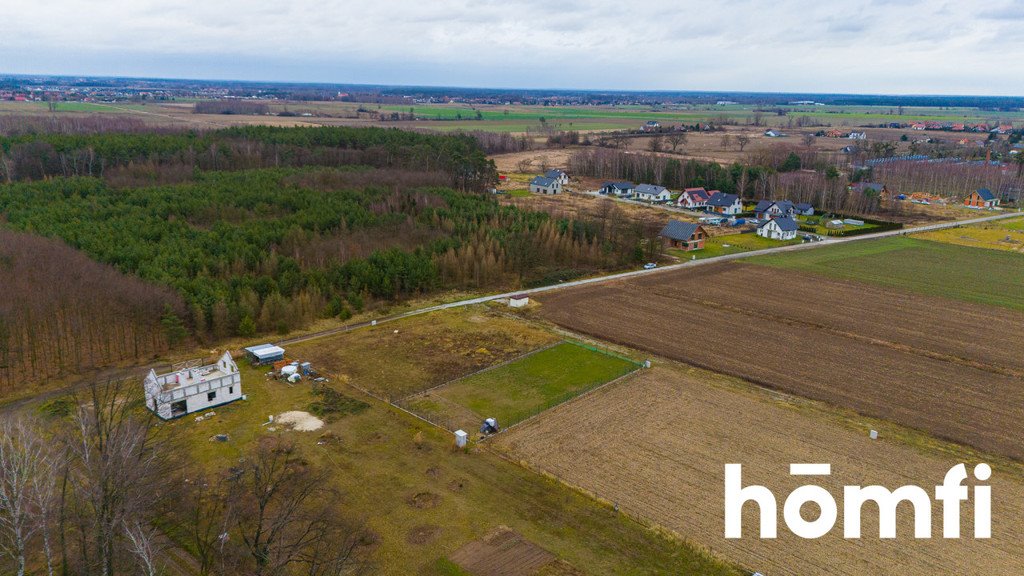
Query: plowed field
x=950 y=368
x=656 y=444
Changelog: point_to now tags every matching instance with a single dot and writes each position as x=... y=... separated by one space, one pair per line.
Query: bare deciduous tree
x=656 y=144
x=281 y=511
x=677 y=139
x=742 y=140
x=27 y=466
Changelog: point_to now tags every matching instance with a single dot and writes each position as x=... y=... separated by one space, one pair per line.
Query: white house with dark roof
x=778 y=229
x=652 y=193
x=723 y=203
x=624 y=189
x=774 y=209
x=557 y=175
x=693 y=198
x=543 y=185
x=804 y=209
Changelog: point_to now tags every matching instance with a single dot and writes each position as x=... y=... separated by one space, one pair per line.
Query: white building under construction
x=190 y=389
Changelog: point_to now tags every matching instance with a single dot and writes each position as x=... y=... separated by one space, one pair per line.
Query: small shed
x=264 y=354
x=461 y=438
x=518 y=300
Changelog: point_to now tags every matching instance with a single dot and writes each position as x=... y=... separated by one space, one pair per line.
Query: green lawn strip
x=933 y=268
x=520 y=389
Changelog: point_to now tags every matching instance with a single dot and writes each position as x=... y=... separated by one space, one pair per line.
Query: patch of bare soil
x=424 y=500
x=503 y=552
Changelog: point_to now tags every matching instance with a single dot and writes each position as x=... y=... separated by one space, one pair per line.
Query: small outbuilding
x=518 y=300
x=264 y=354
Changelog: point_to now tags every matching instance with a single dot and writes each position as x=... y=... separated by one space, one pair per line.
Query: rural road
x=121 y=373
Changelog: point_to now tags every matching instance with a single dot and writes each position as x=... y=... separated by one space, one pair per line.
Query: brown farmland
x=656 y=445
x=948 y=368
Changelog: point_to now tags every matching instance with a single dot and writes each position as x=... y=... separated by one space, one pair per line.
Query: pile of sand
x=300 y=421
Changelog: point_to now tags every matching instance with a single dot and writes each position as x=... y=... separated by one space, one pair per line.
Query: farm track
x=656 y=445
x=950 y=369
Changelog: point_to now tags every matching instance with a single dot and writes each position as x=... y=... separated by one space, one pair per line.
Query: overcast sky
x=861 y=46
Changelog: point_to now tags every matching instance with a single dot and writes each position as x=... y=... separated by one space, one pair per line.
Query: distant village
x=780 y=220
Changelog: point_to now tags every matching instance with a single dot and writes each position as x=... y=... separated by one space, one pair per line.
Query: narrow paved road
x=120 y=373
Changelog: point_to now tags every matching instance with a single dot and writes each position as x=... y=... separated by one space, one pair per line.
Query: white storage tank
x=461 y=438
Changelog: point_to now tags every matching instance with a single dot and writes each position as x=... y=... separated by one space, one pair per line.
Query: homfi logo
x=950 y=493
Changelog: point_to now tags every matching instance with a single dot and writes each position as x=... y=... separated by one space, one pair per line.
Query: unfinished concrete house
x=190 y=389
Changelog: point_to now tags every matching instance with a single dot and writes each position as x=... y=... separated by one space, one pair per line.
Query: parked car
x=650 y=266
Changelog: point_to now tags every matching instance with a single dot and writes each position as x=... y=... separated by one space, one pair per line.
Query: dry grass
x=400 y=358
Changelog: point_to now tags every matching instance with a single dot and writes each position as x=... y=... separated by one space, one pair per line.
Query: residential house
x=774 y=209
x=651 y=126
x=190 y=389
x=723 y=203
x=918 y=126
x=625 y=189
x=773 y=133
x=558 y=175
x=652 y=193
x=834 y=133
x=981 y=198
x=683 y=235
x=869 y=187
x=804 y=209
x=857 y=136
x=543 y=185
x=693 y=198
x=778 y=229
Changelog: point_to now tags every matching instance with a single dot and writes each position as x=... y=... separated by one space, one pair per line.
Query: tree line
x=673 y=173
x=62 y=312
x=34 y=156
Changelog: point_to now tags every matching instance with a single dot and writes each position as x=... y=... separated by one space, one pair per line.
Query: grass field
x=421 y=499
x=999 y=235
x=515 y=391
x=522 y=118
x=731 y=244
x=657 y=443
x=933 y=268
x=401 y=358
